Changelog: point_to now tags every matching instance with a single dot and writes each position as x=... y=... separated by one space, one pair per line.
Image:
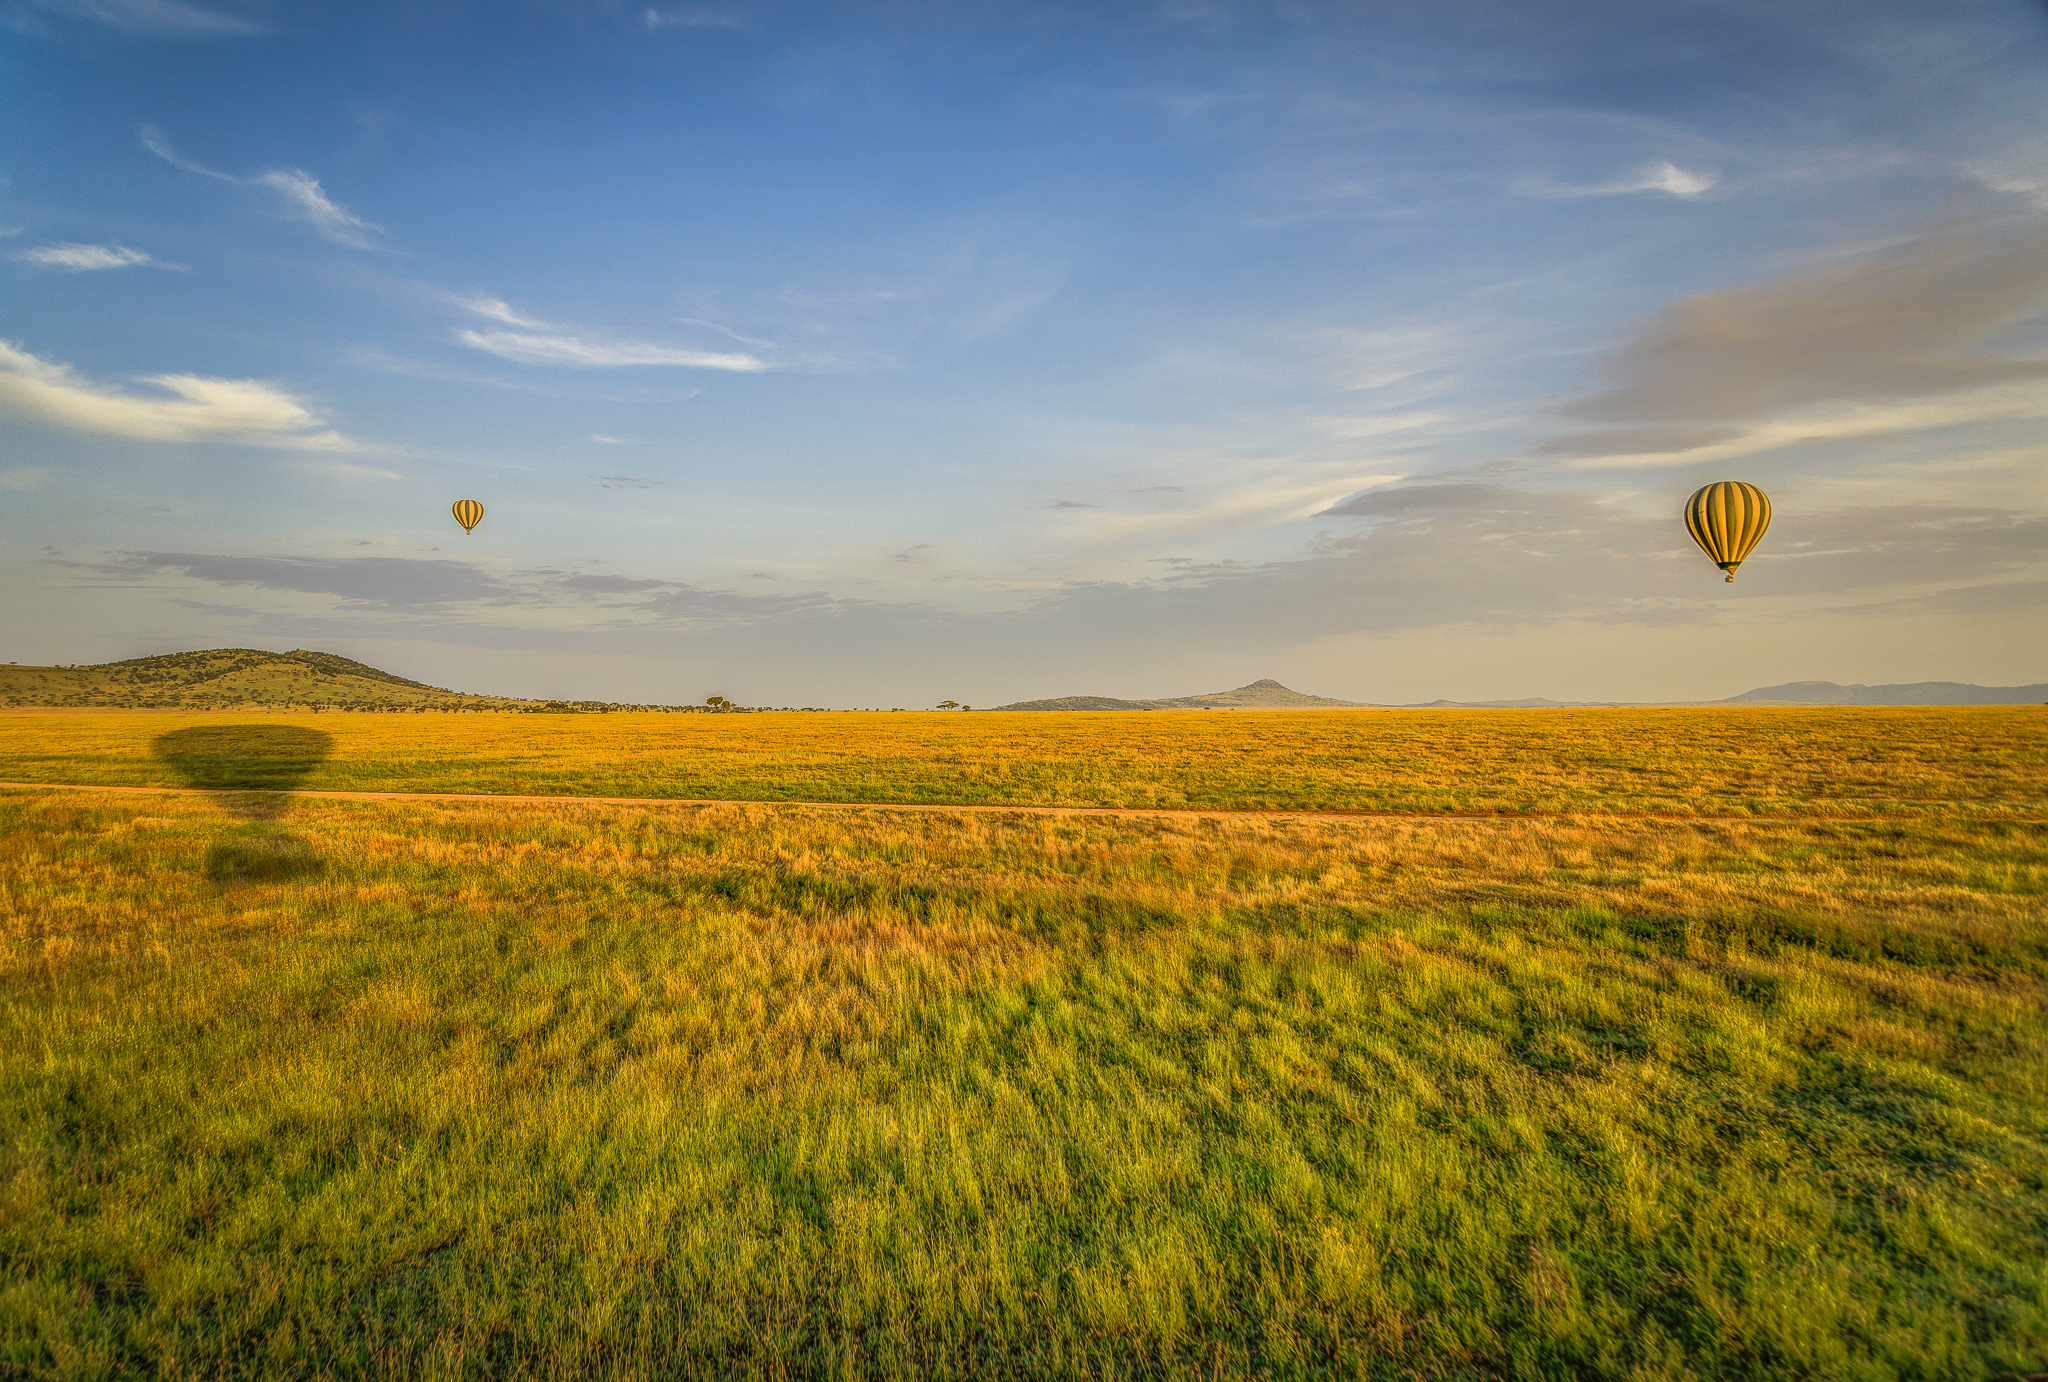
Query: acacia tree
x=949 y=705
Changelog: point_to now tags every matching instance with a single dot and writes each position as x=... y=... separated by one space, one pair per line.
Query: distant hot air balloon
x=469 y=513
x=1727 y=520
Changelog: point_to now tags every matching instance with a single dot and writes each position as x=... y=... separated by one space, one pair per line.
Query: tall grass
x=468 y=1089
x=1764 y=762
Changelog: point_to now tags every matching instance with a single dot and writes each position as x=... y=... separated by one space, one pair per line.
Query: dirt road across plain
x=1148 y=812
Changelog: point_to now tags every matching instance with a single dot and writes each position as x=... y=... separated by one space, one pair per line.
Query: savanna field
x=1634 y=1044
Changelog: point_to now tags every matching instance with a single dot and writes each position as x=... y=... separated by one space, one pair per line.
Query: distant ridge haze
x=1267 y=694
x=1898 y=693
x=1264 y=694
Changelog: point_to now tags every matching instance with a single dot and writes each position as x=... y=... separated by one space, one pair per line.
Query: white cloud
x=247 y=412
x=25 y=478
x=1814 y=425
x=696 y=19
x=166 y=18
x=543 y=343
x=302 y=193
x=2031 y=183
x=497 y=309
x=1661 y=176
x=2020 y=169
x=614 y=441
x=377 y=358
x=1354 y=361
x=535 y=348
x=345 y=471
x=722 y=329
x=1679 y=182
x=71 y=257
x=2034 y=190
x=1361 y=428
x=154 y=141
x=1286 y=492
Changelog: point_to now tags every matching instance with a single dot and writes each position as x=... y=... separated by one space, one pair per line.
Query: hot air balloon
x=469 y=513
x=1727 y=520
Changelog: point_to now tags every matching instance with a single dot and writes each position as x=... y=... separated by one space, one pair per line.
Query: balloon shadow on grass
x=254 y=767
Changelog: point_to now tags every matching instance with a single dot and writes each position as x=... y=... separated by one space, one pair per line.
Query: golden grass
x=483 y=1089
x=1746 y=762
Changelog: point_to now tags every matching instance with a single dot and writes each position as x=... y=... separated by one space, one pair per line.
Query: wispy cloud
x=496 y=309
x=1661 y=176
x=722 y=329
x=2021 y=171
x=1383 y=425
x=972 y=285
x=583 y=352
x=189 y=408
x=154 y=141
x=377 y=358
x=696 y=19
x=1279 y=490
x=1651 y=446
x=302 y=193
x=70 y=257
x=610 y=585
x=541 y=343
x=1850 y=349
x=344 y=470
x=521 y=606
x=161 y=18
x=396 y=583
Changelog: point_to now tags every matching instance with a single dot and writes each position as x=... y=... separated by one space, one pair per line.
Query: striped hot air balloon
x=1727 y=520
x=468 y=513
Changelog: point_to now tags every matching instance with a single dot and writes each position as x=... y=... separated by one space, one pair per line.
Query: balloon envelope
x=1727 y=520
x=468 y=513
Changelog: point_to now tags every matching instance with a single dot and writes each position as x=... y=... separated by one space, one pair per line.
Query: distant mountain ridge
x=1898 y=693
x=1264 y=694
x=1268 y=694
x=1797 y=693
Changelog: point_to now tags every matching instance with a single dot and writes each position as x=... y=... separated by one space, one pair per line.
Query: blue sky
x=873 y=354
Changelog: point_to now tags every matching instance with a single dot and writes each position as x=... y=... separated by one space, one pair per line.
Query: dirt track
x=1151 y=812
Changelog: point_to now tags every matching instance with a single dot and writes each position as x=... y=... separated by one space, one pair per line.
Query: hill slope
x=220 y=678
x=1898 y=693
x=1264 y=694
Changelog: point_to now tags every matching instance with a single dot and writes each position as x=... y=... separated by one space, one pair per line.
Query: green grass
x=471 y=1089
x=1990 y=760
x=219 y=678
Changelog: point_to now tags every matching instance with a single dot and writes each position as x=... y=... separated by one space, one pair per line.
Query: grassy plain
x=1987 y=760
x=439 y=1089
